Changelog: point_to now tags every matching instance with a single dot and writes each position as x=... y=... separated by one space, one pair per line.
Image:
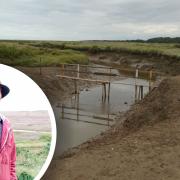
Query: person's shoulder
x=4 y=119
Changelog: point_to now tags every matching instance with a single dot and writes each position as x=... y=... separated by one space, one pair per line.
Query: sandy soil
x=143 y=145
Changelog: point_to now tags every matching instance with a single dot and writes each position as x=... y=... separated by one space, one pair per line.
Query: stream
x=85 y=115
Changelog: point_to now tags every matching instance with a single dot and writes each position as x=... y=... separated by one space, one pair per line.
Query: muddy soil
x=166 y=66
x=56 y=89
x=145 y=146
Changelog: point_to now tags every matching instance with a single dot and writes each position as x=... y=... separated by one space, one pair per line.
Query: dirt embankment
x=165 y=65
x=144 y=145
x=55 y=88
x=58 y=89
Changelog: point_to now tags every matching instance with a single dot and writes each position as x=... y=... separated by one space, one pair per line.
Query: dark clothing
x=1 y=126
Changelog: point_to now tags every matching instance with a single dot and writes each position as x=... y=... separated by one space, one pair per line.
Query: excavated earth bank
x=144 y=144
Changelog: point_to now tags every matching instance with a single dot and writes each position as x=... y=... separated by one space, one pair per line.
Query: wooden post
x=104 y=92
x=110 y=74
x=136 y=92
x=78 y=70
x=75 y=85
x=150 y=79
x=139 y=92
x=142 y=93
x=137 y=72
x=62 y=111
x=136 y=75
x=109 y=106
x=109 y=88
x=77 y=107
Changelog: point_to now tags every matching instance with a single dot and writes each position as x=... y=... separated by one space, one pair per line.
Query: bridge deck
x=83 y=79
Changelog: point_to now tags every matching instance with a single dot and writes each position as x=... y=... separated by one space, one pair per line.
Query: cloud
x=84 y=19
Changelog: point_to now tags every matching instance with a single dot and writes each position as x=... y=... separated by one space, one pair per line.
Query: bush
x=25 y=176
x=177 y=46
x=13 y=52
x=94 y=49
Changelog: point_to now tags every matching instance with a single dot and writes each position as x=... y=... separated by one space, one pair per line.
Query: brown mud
x=166 y=66
x=143 y=144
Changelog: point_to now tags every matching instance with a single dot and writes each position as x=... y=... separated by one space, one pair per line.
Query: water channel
x=85 y=115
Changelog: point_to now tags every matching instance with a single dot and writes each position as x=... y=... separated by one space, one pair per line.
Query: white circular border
x=52 y=148
x=53 y=144
x=53 y=131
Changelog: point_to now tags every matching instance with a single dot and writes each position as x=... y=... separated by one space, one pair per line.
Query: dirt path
x=146 y=146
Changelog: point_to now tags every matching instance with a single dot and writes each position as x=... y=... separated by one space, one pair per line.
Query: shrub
x=94 y=49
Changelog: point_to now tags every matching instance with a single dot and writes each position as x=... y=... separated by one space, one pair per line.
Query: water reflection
x=85 y=115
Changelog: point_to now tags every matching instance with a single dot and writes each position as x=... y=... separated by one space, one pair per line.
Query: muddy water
x=85 y=115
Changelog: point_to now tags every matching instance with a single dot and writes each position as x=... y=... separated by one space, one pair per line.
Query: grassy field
x=18 y=54
x=131 y=47
x=53 y=53
x=32 y=154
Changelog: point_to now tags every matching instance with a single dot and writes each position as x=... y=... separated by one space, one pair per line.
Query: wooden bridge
x=106 y=84
x=79 y=116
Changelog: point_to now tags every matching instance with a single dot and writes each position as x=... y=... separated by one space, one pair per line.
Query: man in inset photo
x=7 y=144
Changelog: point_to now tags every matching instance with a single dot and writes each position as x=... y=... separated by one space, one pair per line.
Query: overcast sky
x=25 y=94
x=88 y=19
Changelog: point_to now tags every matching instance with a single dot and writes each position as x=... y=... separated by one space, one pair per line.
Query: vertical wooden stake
x=139 y=92
x=77 y=107
x=136 y=75
x=75 y=85
x=78 y=70
x=104 y=92
x=137 y=72
x=62 y=111
x=136 y=92
x=142 y=93
x=109 y=88
x=110 y=74
x=150 y=79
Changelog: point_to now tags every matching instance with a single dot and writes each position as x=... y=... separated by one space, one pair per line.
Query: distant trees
x=164 y=40
x=157 y=40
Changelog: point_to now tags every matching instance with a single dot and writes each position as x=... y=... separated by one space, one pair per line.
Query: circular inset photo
x=27 y=127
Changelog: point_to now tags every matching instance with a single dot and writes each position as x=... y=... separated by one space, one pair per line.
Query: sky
x=25 y=94
x=88 y=19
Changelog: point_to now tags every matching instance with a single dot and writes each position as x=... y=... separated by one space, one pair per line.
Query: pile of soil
x=144 y=143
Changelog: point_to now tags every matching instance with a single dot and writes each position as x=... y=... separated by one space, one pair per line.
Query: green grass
x=151 y=49
x=32 y=154
x=53 y=53
x=15 y=54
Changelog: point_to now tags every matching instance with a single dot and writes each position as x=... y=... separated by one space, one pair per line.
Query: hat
x=4 y=90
